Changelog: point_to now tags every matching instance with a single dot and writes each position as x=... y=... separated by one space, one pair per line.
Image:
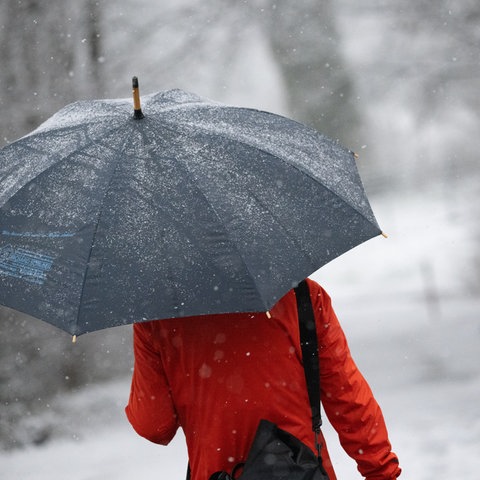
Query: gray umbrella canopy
x=197 y=208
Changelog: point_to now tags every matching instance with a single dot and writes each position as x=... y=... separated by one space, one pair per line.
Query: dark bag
x=276 y=454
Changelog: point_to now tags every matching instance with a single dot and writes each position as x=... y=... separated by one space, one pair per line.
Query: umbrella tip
x=74 y=339
x=137 y=111
x=384 y=235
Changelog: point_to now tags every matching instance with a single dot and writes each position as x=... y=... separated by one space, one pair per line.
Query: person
x=216 y=376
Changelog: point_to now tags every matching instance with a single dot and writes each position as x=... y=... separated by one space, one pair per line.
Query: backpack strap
x=309 y=344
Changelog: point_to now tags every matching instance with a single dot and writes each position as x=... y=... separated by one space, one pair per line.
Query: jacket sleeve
x=150 y=408
x=348 y=400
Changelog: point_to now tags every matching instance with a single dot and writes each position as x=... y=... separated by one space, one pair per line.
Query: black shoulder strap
x=309 y=343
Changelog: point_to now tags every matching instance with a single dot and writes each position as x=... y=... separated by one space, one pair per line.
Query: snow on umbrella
x=109 y=218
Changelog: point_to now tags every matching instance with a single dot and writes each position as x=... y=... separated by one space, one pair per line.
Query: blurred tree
x=49 y=56
x=307 y=46
x=38 y=361
x=419 y=82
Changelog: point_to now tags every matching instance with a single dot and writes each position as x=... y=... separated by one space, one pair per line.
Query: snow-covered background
x=410 y=304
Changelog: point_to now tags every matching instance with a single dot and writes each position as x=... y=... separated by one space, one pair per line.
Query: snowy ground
x=413 y=330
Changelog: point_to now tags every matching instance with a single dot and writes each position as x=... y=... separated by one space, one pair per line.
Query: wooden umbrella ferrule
x=137 y=110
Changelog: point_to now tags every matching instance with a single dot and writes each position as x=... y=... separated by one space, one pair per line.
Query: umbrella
x=188 y=207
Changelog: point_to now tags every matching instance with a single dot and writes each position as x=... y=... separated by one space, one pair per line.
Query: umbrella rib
x=306 y=173
x=57 y=158
x=333 y=193
x=179 y=227
x=244 y=141
x=100 y=214
x=296 y=244
x=215 y=212
x=37 y=151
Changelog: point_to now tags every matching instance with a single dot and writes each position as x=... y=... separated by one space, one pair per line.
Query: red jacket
x=217 y=376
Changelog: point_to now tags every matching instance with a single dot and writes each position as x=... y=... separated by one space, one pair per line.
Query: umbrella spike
x=268 y=314
x=137 y=110
x=74 y=339
x=384 y=235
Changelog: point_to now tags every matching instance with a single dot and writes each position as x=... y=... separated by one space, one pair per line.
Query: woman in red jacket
x=217 y=376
